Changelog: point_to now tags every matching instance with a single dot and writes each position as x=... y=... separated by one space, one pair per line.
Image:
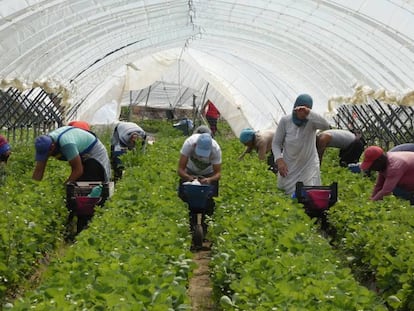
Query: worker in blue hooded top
x=294 y=146
x=261 y=142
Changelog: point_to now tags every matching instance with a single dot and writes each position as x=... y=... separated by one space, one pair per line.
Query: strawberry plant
x=32 y=222
x=267 y=253
x=135 y=253
x=375 y=237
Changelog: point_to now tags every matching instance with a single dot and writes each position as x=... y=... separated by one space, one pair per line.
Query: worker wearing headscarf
x=261 y=142
x=124 y=138
x=296 y=136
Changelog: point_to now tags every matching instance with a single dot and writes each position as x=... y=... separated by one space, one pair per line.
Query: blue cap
x=4 y=148
x=42 y=146
x=203 y=145
x=246 y=135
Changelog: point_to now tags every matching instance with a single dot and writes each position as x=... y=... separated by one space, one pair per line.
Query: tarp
x=255 y=56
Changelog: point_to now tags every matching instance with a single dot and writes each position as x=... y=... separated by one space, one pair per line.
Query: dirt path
x=200 y=289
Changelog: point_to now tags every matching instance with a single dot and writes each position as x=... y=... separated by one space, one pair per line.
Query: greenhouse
x=157 y=63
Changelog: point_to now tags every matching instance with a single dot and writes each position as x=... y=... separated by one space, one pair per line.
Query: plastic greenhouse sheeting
x=251 y=58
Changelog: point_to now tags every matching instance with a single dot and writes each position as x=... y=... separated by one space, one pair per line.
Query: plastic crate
x=77 y=199
x=325 y=196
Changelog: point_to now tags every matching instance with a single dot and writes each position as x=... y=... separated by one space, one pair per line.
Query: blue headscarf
x=301 y=100
x=247 y=135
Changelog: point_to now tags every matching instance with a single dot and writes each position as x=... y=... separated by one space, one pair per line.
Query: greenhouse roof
x=250 y=57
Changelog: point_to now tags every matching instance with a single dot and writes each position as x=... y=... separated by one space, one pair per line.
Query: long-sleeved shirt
x=299 y=151
x=399 y=172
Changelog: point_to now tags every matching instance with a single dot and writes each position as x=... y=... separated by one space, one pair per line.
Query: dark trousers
x=404 y=194
x=351 y=154
x=116 y=163
x=213 y=124
x=92 y=171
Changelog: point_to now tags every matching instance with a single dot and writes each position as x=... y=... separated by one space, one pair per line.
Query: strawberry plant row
x=135 y=255
x=32 y=220
x=375 y=237
x=268 y=254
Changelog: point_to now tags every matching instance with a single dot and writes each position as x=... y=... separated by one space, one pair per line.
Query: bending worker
x=84 y=152
x=5 y=149
x=86 y=155
x=200 y=158
x=395 y=172
x=350 y=145
x=261 y=141
x=403 y=147
x=124 y=138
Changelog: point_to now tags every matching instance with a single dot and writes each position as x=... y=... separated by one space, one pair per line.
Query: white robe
x=297 y=146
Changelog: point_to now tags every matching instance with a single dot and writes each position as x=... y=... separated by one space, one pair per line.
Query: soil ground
x=200 y=288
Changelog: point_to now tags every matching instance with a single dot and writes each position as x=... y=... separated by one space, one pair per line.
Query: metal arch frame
x=303 y=32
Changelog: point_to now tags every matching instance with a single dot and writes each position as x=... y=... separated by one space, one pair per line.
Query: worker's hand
x=302 y=112
x=204 y=180
x=282 y=167
x=302 y=108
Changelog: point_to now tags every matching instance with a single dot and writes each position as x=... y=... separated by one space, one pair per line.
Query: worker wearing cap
x=84 y=152
x=5 y=149
x=395 y=172
x=261 y=141
x=200 y=158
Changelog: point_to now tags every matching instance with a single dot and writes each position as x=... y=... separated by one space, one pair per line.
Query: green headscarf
x=301 y=100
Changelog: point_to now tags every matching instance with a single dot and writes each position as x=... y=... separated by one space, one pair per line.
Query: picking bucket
x=85 y=206
x=197 y=195
x=319 y=198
